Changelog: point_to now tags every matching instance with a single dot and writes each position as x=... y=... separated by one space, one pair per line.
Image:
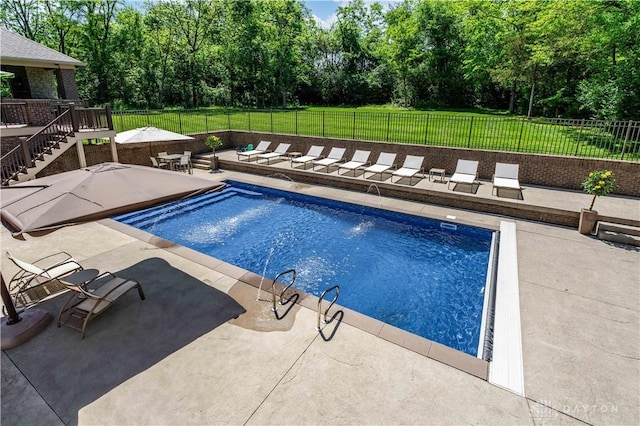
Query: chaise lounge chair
x=506 y=176
x=37 y=280
x=90 y=303
x=262 y=148
x=360 y=159
x=281 y=150
x=336 y=155
x=466 y=172
x=412 y=165
x=384 y=163
x=314 y=153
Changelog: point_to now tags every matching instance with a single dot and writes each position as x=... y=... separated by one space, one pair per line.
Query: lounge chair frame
x=262 y=148
x=314 y=153
x=280 y=151
x=412 y=165
x=505 y=176
x=358 y=161
x=336 y=155
x=466 y=172
x=29 y=285
x=89 y=303
x=385 y=162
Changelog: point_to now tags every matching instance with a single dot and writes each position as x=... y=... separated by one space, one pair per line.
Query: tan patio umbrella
x=93 y=193
x=150 y=134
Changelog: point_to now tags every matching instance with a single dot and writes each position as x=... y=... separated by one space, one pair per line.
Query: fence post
x=271 y=111
x=121 y=121
x=26 y=152
x=229 y=119
x=323 y=123
x=148 y=118
x=180 y=120
x=388 y=124
x=470 y=130
x=575 y=154
x=520 y=137
x=626 y=138
x=354 y=126
x=296 y=122
x=249 y=115
x=426 y=128
x=206 y=122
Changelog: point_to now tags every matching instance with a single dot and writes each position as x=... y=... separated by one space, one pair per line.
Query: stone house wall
x=41 y=82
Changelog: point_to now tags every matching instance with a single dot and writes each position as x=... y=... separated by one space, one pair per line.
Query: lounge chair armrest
x=98 y=278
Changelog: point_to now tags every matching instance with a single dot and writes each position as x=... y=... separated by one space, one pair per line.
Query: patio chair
x=336 y=155
x=360 y=159
x=412 y=165
x=154 y=163
x=184 y=164
x=506 y=176
x=91 y=302
x=313 y=154
x=466 y=172
x=262 y=148
x=37 y=280
x=384 y=163
x=280 y=151
x=188 y=153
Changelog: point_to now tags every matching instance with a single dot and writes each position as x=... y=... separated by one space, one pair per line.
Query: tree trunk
x=512 y=98
x=533 y=88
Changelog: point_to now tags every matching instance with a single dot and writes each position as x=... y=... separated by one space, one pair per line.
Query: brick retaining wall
x=543 y=170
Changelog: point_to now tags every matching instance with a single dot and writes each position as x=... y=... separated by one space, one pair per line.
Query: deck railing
x=69 y=121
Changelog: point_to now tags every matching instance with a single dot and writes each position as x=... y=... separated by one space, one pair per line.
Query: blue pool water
x=414 y=273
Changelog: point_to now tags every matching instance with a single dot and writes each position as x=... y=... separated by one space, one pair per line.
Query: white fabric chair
x=412 y=165
x=466 y=172
x=360 y=159
x=336 y=155
x=506 y=176
x=154 y=163
x=184 y=164
x=262 y=148
x=314 y=153
x=384 y=163
x=280 y=151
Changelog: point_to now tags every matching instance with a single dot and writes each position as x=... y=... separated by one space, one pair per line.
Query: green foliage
x=212 y=142
x=599 y=184
x=540 y=57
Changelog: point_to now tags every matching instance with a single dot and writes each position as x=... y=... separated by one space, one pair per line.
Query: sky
x=324 y=11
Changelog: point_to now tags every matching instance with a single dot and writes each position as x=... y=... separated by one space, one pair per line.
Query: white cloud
x=326 y=23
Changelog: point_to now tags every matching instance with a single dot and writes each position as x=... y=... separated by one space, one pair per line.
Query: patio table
x=172 y=159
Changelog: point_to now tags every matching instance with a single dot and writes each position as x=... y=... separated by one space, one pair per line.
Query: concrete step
x=618 y=233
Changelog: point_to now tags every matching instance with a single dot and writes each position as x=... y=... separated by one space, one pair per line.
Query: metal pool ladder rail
x=326 y=311
x=274 y=308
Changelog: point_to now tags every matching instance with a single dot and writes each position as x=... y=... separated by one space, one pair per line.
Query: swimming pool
x=424 y=276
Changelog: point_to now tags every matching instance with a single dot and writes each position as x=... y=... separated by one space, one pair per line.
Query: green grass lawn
x=476 y=129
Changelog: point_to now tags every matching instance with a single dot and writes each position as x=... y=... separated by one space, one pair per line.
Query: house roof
x=18 y=50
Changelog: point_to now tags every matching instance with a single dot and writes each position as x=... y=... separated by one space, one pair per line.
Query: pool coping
x=475 y=366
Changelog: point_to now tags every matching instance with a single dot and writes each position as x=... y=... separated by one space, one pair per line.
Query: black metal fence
x=569 y=137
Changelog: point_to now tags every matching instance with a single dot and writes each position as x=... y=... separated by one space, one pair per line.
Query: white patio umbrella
x=150 y=134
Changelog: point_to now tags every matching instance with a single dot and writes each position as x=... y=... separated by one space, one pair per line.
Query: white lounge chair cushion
x=280 y=150
x=463 y=178
x=377 y=168
x=405 y=172
x=314 y=152
x=352 y=165
x=326 y=161
x=506 y=183
x=260 y=149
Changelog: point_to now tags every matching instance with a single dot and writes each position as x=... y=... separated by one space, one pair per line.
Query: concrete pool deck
x=179 y=357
